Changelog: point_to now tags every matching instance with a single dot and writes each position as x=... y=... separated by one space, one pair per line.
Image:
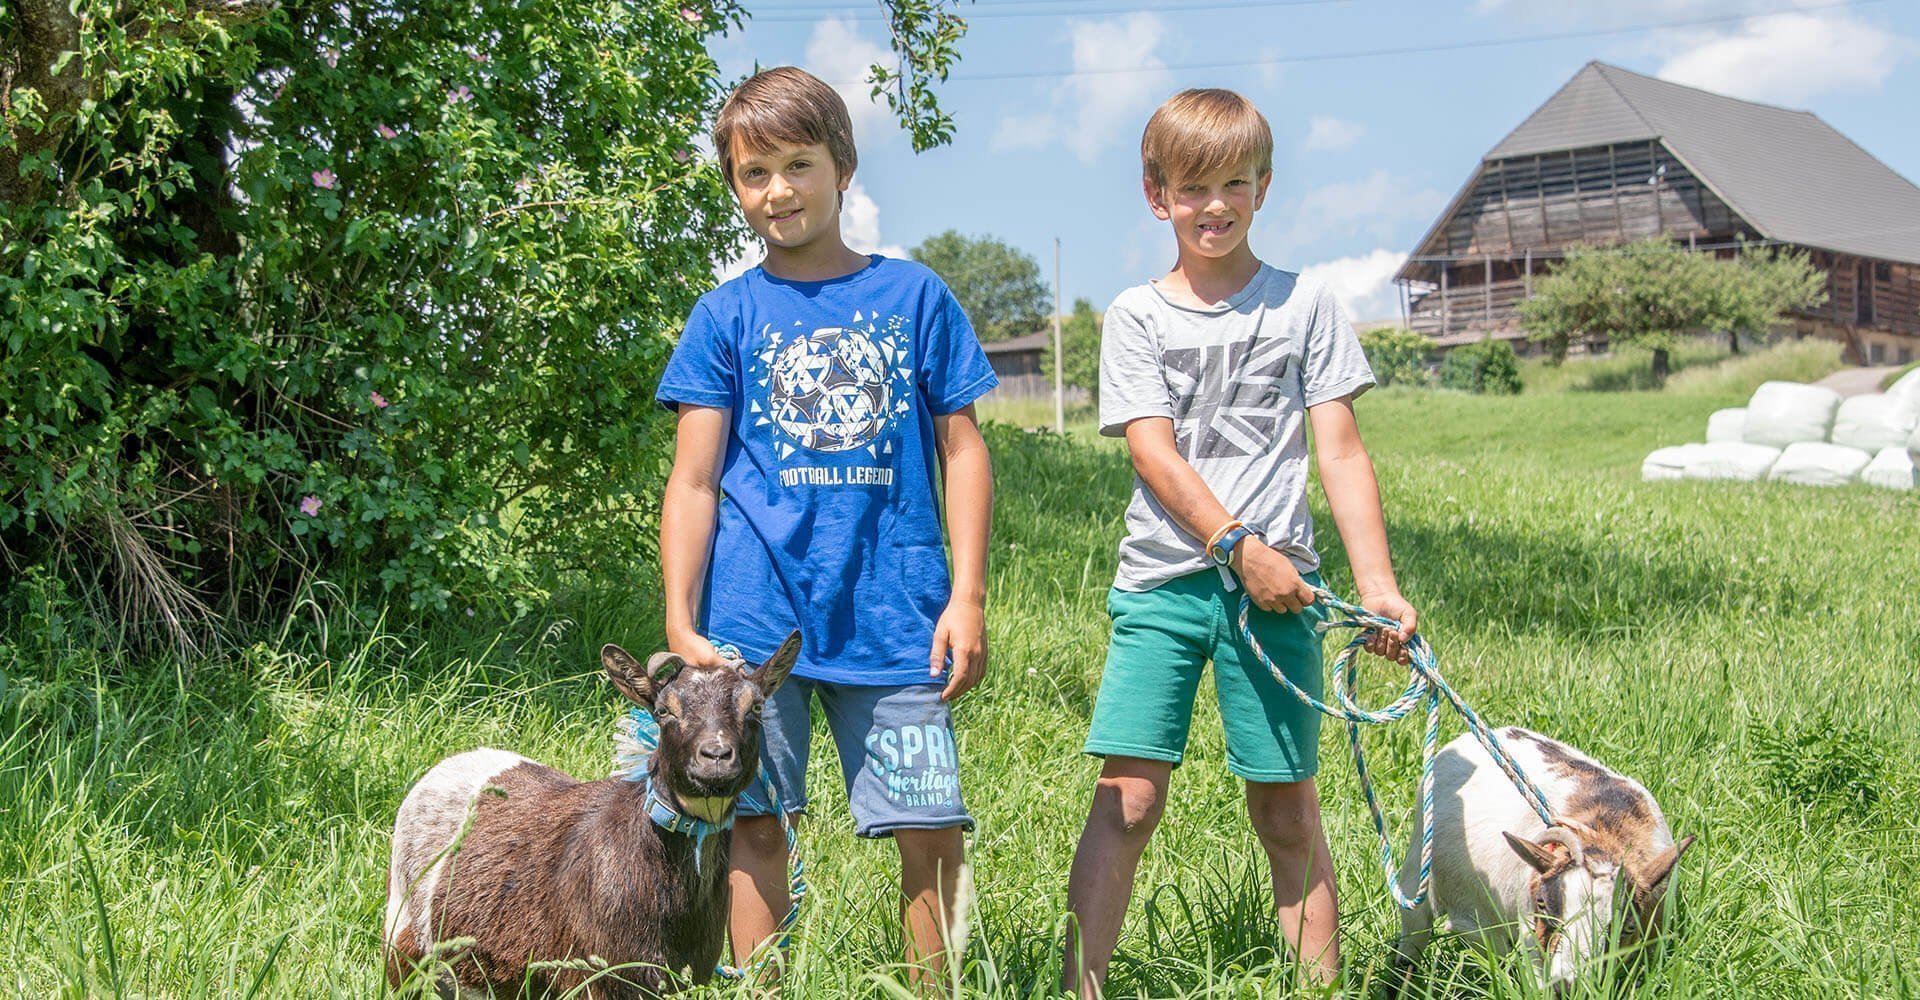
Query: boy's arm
x=968 y=473
x=687 y=514
x=1267 y=574
x=1353 y=494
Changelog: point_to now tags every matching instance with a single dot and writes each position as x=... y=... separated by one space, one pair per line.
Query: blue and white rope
x=1424 y=684
x=644 y=734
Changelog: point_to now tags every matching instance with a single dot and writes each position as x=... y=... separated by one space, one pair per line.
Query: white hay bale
x=1877 y=421
x=1913 y=446
x=1891 y=469
x=1907 y=387
x=1816 y=463
x=1784 y=413
x=1667 y=463
x=1727 y=425
x=1731 y=460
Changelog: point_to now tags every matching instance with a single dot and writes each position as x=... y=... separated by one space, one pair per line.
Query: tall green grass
x=219 y=828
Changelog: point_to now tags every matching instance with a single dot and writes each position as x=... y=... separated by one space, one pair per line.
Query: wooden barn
x=1616 y=156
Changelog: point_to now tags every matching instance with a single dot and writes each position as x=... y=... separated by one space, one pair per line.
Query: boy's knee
x=759 y=837
x=1130 y=805
x=1285 y=816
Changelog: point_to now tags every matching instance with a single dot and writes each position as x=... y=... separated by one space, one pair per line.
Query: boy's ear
x=1156 y=199
x=1260 y=195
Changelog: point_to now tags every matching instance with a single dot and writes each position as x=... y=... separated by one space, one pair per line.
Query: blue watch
x=1221 y=551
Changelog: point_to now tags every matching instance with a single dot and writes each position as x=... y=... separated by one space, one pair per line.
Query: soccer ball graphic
x=830 y=390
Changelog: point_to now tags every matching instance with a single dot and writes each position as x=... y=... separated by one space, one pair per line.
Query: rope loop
x=1425 y=687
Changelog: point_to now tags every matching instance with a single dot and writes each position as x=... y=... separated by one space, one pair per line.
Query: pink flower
x=478 y=57
x=323 y=179
x=279 y=92
x=378 y=400
x=689 y=15
x=459 y=94
x=332 y=56
x=386 y=132
x=310 y=506
x=523 y=185
x=682 y=155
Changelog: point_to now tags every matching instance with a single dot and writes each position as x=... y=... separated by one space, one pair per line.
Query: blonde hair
x=784 y=105
x=1203 y=131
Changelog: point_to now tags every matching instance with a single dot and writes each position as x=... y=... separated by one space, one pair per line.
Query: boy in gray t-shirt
x=1213 y=374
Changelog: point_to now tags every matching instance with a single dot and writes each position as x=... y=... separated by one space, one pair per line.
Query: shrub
x=1821 y=764
x=1398 y=357
x=1489 y=366
x=292 y=288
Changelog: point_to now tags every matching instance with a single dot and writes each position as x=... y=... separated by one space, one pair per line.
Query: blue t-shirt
x=829 y=519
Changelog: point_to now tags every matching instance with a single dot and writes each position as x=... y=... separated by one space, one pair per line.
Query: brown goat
x=510 y=876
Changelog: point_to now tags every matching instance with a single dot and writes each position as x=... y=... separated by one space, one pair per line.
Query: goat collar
x=672 y=820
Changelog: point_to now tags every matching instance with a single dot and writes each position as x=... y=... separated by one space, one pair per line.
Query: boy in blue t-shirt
x=819 y=397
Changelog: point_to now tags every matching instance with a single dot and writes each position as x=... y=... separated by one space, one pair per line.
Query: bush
x=1823 y=763
x=1489 y=366
x=1398 y=357
x=297 y=288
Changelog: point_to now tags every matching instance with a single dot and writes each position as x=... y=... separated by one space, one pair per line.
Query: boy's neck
x=1209 y=281
x=822 y=260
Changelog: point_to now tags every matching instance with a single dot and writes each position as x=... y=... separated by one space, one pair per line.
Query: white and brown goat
x=612 y=884
x=1565 y=893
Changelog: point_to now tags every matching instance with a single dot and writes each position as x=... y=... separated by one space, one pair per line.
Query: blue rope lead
x=1424 y=684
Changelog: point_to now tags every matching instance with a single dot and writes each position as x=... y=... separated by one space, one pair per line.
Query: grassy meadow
x=218 y=828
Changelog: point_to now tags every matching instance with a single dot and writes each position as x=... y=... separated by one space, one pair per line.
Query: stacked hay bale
x=1806 y=434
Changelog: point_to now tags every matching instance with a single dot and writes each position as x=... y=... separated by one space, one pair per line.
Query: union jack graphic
x=1227 y=397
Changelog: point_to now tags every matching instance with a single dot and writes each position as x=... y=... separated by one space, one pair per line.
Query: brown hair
x=1201 y=131
x=784 y=105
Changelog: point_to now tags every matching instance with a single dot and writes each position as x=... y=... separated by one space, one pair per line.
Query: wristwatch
x=1221 y=548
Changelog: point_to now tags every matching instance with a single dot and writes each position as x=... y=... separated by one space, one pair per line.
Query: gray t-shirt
x=1236 y=378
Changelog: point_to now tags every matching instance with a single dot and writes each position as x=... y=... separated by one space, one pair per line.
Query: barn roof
x=1792 y=176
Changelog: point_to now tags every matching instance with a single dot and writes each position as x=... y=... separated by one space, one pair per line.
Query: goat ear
x=770 y=675
x=1535 y=855
x=628 y=676
x=1662 y=866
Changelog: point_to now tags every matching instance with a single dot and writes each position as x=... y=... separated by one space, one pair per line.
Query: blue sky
x=1380 y=109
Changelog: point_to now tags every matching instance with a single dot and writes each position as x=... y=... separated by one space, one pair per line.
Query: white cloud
x=1788 y=58
x=1364 y=285
x=840 y=55
x=1091 y=108
x=1326 y=133
x=1371 y=207
x=860 y=224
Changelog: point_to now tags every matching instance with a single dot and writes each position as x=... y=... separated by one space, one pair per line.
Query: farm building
x=1616 y=156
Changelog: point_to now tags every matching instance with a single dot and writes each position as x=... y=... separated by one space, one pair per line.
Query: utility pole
x=1059 y=393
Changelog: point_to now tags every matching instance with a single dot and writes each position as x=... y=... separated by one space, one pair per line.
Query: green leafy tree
x=1652 y=292
x=1397 y=356
x=1079 y=350
x=370 y=292
x=998 y=285
x=1486 y=367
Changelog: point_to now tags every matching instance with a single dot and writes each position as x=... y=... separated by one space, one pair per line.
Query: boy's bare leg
x=930 y=863
x=1128 y=801
x=758 y=878
x=1287 y=818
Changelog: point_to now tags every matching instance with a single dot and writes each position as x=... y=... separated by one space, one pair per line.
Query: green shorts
x=1163 y=638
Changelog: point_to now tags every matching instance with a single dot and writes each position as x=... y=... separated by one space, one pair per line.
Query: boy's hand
x=696 y=650
x=962 y=631
x=1389 y=604
x=1270 y=578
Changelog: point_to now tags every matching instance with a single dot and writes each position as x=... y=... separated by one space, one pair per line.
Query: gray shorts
x=896 y=749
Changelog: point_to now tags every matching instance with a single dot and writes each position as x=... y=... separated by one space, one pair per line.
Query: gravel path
x=1856 y=381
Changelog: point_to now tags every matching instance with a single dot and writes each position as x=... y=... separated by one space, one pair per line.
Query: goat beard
x=710 y=809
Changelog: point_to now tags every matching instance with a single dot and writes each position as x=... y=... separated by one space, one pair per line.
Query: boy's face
x=1210 y=214
x=790 y=194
